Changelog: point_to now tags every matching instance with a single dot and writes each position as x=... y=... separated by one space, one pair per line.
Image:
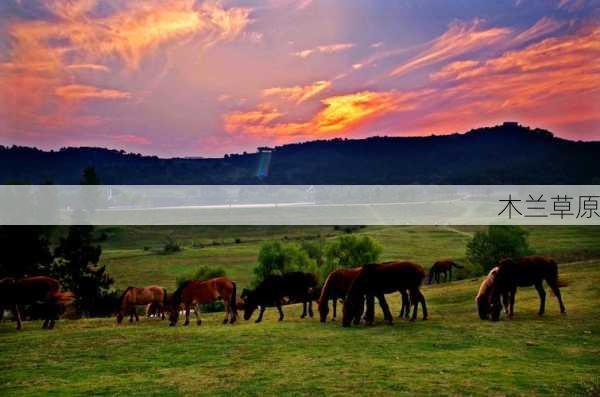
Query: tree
x=277 y=258
x=89 y=177
x=25 y=250
x=351 y=251
x=315 y=250
x=487 y=248
x=76 y=267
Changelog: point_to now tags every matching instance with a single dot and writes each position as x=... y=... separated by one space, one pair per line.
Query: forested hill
x=505 y=154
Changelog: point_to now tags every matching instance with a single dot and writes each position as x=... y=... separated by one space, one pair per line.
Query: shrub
x=277 y=258
x=171 y=246
x=351 y=250
x=489 y=247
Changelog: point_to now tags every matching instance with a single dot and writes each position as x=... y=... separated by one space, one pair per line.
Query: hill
x=504 y=154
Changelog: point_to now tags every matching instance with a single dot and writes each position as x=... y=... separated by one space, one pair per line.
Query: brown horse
x=442 y=267
x=197 y=292
x=132 y=297
x=525 y=272
x=484 y=295
x=376 y=280
x=34 y=290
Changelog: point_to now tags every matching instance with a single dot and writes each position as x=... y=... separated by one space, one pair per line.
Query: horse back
x=30 y=289
x=526 y=271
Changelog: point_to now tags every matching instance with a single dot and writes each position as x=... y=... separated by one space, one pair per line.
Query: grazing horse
x=297 y=286
x=484 y=296
x=132 y=297
x=199 y=292
x=442 y=267
x=336 y=287
x=525 y=272
x=376 y=280
x=33 y=290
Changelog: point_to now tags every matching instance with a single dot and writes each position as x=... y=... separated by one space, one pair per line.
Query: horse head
x=250 y=305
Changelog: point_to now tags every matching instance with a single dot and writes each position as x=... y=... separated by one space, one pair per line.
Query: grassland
x=132 y=254
x=453 y=353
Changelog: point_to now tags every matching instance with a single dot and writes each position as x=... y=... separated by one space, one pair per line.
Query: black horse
x=295 y=286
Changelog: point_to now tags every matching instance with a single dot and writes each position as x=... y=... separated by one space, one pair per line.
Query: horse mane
x=325 y=290
x=178 y=291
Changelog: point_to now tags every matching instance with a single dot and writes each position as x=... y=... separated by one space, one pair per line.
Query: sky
x=205 y=78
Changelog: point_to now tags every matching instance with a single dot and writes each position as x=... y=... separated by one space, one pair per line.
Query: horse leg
x=423 y=304
x=387 y=315
x=137 y=318
x=311 y=314
x=17 y=315
x=540 y=289
x=187 y=314
x=280 y=311
x=415 y=301
x=505 y=301
x=556 y=291
x=227 y=311
x=370 y=310
x=303 y=309
x=197 y=312
x=260 y=315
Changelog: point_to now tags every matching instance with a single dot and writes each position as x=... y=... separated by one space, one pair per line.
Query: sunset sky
x=204 y=78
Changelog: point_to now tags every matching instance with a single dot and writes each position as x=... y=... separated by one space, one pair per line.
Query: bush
x=171 y=246
x=277 y=258
x=488 y=248
x=351 y=251
x=202 y=273
x=238 y=240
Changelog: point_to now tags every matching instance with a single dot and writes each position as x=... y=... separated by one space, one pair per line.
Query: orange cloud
x=298 y=94
x=324 y=49
x=561 y=73
x=541 y=28
x=340 y=113
x=459 y=39
x=45 y=55
x=81 y=92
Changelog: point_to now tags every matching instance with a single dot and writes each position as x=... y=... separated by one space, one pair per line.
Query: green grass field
x=452 y=353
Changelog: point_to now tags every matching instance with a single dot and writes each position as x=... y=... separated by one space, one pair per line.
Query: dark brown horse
x=442 y=267
x=336 y=287
x=296 y=286
x=199 y=292
x=376 y=280
x=34 y=290
x=132 y=297
x=525 y=272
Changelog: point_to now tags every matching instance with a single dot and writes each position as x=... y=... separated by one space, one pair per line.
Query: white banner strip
x=300 y=204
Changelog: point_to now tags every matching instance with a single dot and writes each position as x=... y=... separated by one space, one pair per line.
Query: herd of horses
x=356 y=287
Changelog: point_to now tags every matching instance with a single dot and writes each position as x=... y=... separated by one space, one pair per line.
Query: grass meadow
x=452 y=353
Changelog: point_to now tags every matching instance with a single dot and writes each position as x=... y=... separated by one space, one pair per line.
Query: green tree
x=76 y=267
x=315 y=250
x=351 y=251
x=277 y=258
x=202 y=273
x=487 y=248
